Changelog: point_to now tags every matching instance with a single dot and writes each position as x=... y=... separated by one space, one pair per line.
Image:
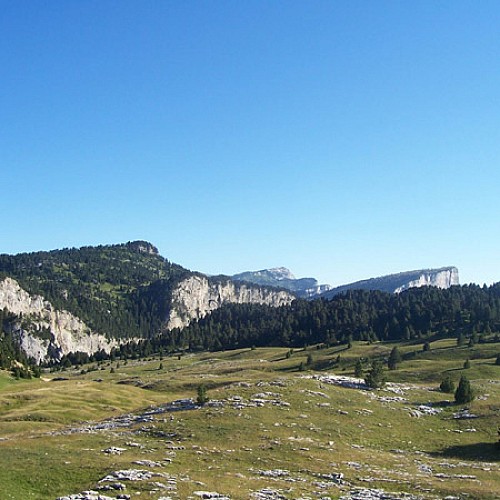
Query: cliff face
x=44 y=332
x=395 y=283
x=197 y=296
x=441 y=278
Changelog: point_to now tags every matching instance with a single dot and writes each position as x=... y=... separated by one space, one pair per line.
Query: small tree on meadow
x=202 y=397
x=375 y=378
x=394 y=358
x=447 y=385
x=358 y=369
x=464 y=393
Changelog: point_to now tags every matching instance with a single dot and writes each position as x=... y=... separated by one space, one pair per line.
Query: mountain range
x=95 y=298
x=443 y=277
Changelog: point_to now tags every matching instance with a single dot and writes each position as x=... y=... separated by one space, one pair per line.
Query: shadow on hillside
x=488 y=452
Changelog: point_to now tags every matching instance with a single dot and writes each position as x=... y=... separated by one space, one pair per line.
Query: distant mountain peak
x=278 y=273
x=282 y=277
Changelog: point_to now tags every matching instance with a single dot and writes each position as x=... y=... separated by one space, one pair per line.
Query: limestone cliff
x=197 y=295
x=44 y=332
x=443 y=277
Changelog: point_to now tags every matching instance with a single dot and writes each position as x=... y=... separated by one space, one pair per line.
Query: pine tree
x=358 y=369
x=464 y=393
x=447 y=385
x=202 y=397
x=375 y=378
x=394 y=359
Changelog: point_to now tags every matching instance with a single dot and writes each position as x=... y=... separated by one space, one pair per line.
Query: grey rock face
x=197 y=296
x=63 y=332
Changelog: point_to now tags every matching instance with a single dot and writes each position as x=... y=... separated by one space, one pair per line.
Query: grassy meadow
x=269 y=424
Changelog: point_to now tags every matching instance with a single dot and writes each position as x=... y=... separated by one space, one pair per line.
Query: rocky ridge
x=44 y=332
x=443 y=277
x=198 y=295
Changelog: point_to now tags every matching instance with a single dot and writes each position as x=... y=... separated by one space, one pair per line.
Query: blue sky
x=341 y=139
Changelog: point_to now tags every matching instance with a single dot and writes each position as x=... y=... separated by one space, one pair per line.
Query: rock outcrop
x=198 y=295
x=44 y=332
x=443 y=277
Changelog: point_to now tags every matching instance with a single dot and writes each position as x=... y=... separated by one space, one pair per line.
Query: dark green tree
x=202 y=397
x=375 y=378
x=309 y=360
x=394 y=358
x=447 y=385
x=464 y=393
x=358 y=369
x=466 y=364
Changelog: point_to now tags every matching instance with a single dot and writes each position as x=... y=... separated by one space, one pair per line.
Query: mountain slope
x=395 y=283
x=119 y=290
x=108 y=293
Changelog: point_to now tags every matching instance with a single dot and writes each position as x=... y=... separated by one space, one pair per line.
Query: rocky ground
x=156 y=478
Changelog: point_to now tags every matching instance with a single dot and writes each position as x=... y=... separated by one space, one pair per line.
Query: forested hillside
x=118 y=290
x=467 y=311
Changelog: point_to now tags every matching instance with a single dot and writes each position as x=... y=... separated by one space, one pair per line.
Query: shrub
x=447 y=385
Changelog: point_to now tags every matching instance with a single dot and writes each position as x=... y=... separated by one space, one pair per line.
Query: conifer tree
x=358 y=369
x=394 y=359
x=464 y=393
x=202 y=397
x=447 y=385
x=375 y=378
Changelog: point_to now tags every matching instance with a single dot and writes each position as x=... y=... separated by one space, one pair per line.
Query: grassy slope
x=340 y=430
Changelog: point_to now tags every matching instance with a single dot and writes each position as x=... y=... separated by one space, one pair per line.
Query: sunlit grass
x=323 y=429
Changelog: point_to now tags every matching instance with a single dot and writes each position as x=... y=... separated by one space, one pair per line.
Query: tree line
x=419 y=313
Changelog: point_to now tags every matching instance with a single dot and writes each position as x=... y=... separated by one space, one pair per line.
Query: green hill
x=119 y=290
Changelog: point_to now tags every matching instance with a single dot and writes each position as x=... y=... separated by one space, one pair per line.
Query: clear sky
x=341 y=139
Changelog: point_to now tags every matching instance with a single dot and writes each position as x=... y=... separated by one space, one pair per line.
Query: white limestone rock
x=197 y=296
x=64 y=332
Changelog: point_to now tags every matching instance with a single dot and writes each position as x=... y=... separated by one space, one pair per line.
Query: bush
x=447 y=385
